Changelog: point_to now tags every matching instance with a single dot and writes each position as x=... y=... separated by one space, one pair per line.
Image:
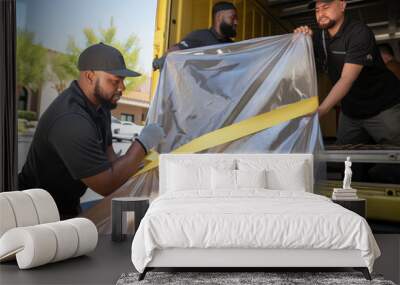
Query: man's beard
x=99 y=94
x=227 y=30
x=331 y=23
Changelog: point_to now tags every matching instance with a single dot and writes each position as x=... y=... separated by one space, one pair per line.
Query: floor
x=103 y=266
x=110 y=259
x=389 y=263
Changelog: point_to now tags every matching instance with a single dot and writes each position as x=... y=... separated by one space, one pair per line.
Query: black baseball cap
x=105 y=58
x=311 y=5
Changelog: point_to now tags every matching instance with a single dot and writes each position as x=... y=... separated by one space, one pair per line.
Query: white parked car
x=124 y=130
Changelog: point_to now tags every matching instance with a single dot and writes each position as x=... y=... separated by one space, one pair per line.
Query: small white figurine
x=347 y=174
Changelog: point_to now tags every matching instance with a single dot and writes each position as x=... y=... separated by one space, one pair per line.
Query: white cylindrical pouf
x=67 y=239
x=7 y=218
x=45 y=205
x=23 y=208
x=40 y=244
x=34 y=246
x=87 y=233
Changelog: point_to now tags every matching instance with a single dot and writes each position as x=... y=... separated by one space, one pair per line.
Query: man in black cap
x=72 y=146
x=368 y=91
x=223 y=29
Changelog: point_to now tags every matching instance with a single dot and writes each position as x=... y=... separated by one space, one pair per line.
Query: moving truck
x=177 y=18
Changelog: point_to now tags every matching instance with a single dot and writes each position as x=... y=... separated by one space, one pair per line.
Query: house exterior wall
x=130 y=110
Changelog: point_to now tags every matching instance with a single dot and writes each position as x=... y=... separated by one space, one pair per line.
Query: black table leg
x=143 y=274
x=364 y=271
x=116 y=222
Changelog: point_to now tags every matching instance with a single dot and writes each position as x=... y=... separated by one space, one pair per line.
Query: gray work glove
x=150 y=136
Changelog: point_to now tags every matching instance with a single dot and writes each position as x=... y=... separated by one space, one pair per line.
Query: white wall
x=48 y=92
x=24 y=142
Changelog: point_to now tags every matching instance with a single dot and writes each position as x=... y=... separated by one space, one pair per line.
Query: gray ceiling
x=382 y=16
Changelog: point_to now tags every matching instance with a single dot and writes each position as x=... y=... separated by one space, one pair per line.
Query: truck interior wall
x=177 y=18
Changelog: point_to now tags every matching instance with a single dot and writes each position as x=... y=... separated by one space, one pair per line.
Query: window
x=23 y=99
x=127 y=117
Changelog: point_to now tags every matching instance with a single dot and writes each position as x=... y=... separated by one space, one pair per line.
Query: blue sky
x=53 y=21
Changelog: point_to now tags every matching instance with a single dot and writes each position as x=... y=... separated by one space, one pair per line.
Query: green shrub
x=22 y=126
x=27 y=115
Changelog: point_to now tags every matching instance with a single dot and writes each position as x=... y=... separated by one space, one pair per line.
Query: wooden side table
x=138 y=205
x=358 y=206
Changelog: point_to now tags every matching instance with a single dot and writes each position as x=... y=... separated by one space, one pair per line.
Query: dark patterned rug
x=243 y=278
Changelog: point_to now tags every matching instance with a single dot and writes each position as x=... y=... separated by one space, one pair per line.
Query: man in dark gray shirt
x=367 y=90
x=72 y=146
x=223 y=29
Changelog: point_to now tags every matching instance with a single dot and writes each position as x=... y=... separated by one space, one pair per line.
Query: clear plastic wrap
x=204 y=89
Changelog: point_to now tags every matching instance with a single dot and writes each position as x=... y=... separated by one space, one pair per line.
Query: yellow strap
x=152 y=156
x=241 y=129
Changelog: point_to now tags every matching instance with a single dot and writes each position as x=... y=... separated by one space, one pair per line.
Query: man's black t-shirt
x=195 y=39
x=376 y=88
x=200 y=38
x=69 y=144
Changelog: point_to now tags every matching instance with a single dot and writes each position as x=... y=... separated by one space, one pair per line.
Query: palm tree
x=30 y=61
x=64 y=65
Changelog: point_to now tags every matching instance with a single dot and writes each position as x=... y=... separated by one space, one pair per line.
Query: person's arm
x=349 y=74
x=120 y=171
x=187 y=42
x=75 y=139
x=158 y=63
x=394 y=67
x=127 y=165
x=112 y=156
x=359 y=53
